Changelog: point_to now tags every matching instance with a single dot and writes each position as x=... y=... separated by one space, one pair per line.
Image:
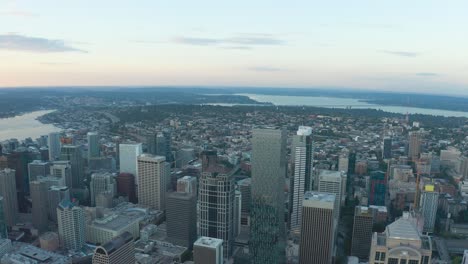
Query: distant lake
x=334 y=102
x=24 y=126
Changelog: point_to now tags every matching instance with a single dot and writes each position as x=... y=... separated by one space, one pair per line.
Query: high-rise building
x=216 y=202
x=414 y=145
x=120 y=250
x=318 y=228
x=333 y=182
x=126 y=186
x=343 y=162
x=62 y=170
x=3 y=224
x=302 y=159
x=102 y=182
x=152 y=175
x=184 y=156
x=94 y=148
x=181 y=218
x=128 y=154
x=362 y=232
x=378 y=188
x=237 y=213
x=160 y=144
x=73 y=154
x=38 y=168
x=54 y=146
x=428 y=205
x=8 y=192
x=244 y=187
x=208 y=250
x=71 y=225
x=56 y=194
x=387 y=148
x=39 y=199
x=187 y=184
x=267 y=228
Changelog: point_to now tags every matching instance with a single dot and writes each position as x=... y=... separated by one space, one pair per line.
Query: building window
x=413 y=261
x=392 y=261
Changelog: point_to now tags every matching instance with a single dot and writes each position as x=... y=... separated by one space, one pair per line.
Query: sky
x=398 y=45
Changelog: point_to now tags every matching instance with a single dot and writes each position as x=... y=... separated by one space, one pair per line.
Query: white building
x=128 y=154
x=333 y=182
x=71 y=225
x=102 y=182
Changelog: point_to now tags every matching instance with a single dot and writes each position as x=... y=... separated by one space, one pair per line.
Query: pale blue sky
x=418 y=45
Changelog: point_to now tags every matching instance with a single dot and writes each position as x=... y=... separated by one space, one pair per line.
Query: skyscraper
x=128 y=154
x=362 y=232
x=208 y=250
x=267 y=229
x=62 y=169
x=152 y=181
x=332 y=182
x=301 y=154
x=93 y=145
x=73 y=154
x=181 y=218
x=54 y=146
x=387 y=148
x=126 y=186
x=39 y=199
x=246 y=195
x=236 y=222
x=216 y=202
x=8 y=192
x=102 y=182
x=120 y=250
x=414 y=145
x=56 y=194
x=71 y=225
x=429 y=203
x=38 y=168
x=160 y=144
x=378 y=188
x=318 y=228
x=3 y=224
x=187 y=184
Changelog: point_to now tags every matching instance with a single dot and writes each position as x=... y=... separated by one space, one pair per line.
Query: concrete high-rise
x=267 y=229
x=93 y=145
x=333 y=182
x=53 y=142
x=244 y=187
x=71 y=225
x=378 y=188
x=102 y=182
x=38 y=168
x=208 y=250
x=128 y=154
x=187 y=184
x=428 y=206
x=120 y=250
x=152 y=174
x=181 y=218
x=318 y=228
x=73 y=154
x=39 y=199
x=126 y=186
x=3 y=224
x=63 y=170
x=302 y=159
x=362 y=232
x=56 y=194
x=387 y=148
x=414 y=145
x=8 y=192
x=216 y=202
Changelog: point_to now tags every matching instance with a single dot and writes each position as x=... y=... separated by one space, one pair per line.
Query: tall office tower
x=102 y=182
x=187 y=184
x=39 y=199
x=160 y=144
x=73 y=154
x=378 y=188
x=208 y=250
x=120 y=250
x=343 y=162
x=62 y=170
x=184 y=156
x=301 y=154
x=333 y=182
x=94 y=148
x=126 y=186
x=464 y=167
x=362 y=232
x=267 y=228
x=414 y=145
x=181 y=218
x=56 y=194
x=8 y=192
x=244 y=187
x=429 y=203
x=237 y=213
x=166 y=133
x=318 y=228
x=216 y=203
x=352 y=163
x=54 y=146
x=71 y=225
x=152 y=181
x=19 y=160
x=38 y=168
x=387 y=148
x=3 y=224
x=128 y=154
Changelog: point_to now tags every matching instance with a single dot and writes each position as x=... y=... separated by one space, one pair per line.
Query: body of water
x=24 y=126
x=333 y=102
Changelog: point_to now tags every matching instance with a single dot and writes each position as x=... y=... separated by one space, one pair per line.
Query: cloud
x=253 y=40
x=238 y=47
x=18 y=14
x=196 y=41
x=34 y=44
x=56 y=63
x=265 y=69
x=427 y=74
x=400 y=53
x=242 y=40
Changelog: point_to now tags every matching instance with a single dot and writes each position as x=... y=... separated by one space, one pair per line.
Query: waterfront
x=25 y=125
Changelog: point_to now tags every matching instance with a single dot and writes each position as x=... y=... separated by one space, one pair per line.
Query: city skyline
x=364 y=45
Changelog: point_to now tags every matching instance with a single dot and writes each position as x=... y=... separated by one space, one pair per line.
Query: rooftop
x=208 y=242
x=319 y=196
x=403 y=228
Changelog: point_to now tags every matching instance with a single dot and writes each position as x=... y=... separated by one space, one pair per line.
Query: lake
x=333 y=102
x=24 y=126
